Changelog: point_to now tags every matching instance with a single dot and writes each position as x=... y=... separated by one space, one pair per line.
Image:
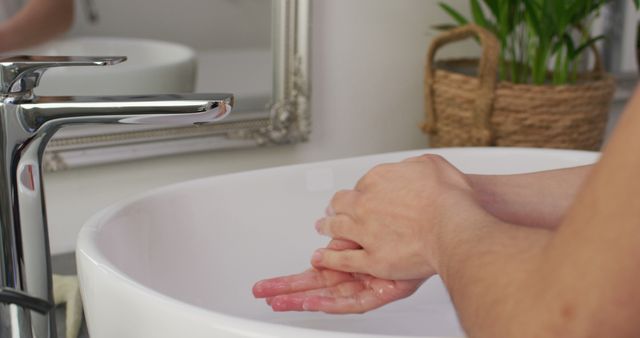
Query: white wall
x=629 y=62
x=368 y=59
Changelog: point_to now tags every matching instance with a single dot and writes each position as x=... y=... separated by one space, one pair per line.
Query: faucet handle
x=20 y=74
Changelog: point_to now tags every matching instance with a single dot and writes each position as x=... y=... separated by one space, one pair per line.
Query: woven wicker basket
x=463 y=110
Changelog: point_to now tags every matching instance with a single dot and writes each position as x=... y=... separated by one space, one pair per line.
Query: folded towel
x=66 y=290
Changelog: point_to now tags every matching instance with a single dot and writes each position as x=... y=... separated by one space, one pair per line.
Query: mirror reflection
x=231 y=38
x=215 y=46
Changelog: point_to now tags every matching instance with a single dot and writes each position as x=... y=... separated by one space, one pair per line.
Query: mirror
x=256 y=49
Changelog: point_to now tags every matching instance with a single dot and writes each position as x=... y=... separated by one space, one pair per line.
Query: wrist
x=470 y=216
x=486 y=190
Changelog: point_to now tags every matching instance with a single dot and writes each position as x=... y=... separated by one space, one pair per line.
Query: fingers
x=340 y=244
x=353 y=261
x=340 y=220
x=295 y=301
x=355 y=296
x=359 y=303
x=308 y=280
x=343 y=253
x=338 y=227
x=343 y=202
x=347 y=297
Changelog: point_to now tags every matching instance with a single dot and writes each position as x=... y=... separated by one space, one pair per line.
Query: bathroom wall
x=368 y=58
x=629 y=61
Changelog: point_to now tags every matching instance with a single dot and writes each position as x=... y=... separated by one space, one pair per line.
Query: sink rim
x=173 y=53
x=93 y=225
x=88 y=248
x=153 y=67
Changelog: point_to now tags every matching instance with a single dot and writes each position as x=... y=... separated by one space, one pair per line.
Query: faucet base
x=17 y=322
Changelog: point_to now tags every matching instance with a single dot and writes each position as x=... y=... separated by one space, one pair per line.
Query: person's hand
x=384 y=237
x=332 y=291
x=395 y=214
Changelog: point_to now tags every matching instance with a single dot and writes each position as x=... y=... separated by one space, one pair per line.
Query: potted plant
x=531 y=89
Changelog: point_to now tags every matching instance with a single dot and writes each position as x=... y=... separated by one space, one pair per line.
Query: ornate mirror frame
x=285 y=121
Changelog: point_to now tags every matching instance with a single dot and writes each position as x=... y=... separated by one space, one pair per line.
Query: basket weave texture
x=464 y=110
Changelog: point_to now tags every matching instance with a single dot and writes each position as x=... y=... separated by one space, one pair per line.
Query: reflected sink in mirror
x=152 y=67
x=180 y=261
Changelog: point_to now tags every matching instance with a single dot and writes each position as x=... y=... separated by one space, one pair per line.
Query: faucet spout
x=173 y=109
x=27 y=123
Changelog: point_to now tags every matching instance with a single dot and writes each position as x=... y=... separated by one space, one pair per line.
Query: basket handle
x=487 y=73
x=598 y=64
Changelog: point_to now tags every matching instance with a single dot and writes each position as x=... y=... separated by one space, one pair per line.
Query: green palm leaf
x=537 y=37
x=455 y=15
x=478 y=14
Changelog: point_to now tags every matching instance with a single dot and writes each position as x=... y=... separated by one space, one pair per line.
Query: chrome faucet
x=27 y=122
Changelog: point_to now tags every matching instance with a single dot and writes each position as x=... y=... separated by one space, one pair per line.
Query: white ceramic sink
x=153 y=67
x=180 y=261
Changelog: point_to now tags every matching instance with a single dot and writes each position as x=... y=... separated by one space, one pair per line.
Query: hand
x=332 y=291
x=395 y=215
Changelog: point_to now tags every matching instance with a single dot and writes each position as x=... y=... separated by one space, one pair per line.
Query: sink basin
x=180 y=261
x=153 y=67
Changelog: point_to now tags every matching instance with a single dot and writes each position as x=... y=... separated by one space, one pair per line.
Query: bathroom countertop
x=65 y=264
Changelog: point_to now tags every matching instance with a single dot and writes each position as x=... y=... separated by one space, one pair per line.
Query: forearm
x=37 y=22
x=600 y=238
x=513 y=281
x=538 y=199
x=491 y=270
x=578 y=281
